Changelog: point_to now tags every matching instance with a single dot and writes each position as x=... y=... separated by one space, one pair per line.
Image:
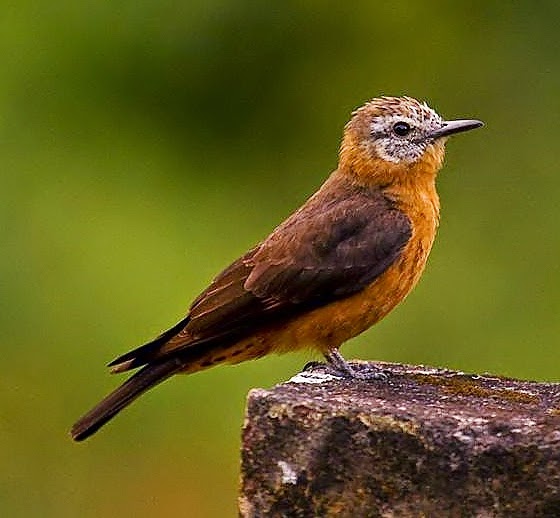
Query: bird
x=331 y=270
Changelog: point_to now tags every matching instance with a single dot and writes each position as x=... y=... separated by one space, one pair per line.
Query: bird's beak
x=451 y=127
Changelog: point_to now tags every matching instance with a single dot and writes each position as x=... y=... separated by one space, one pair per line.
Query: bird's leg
x=337 y=361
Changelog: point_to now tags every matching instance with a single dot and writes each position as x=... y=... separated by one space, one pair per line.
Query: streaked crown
x=401 y=129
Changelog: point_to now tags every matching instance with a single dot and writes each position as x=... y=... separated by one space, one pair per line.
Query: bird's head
x=393 y=137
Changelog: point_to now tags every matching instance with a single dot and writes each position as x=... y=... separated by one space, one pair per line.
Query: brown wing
x=334 y=246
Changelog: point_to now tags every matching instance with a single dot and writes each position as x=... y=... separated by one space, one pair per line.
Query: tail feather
x=147 y=352
x=136 y=385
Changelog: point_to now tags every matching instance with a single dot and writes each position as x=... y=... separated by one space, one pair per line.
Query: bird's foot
x=337 y=366
x=372 y=373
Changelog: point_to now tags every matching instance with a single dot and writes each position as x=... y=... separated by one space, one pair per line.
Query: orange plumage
x=334 y=268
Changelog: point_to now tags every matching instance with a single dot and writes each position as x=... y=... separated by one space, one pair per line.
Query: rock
x=426 y=442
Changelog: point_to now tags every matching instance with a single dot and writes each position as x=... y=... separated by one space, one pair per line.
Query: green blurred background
x=146 y=144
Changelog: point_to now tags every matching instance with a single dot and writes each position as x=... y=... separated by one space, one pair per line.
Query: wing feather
x=339 y=242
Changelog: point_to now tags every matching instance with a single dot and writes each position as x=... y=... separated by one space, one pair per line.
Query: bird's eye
x=402 y=129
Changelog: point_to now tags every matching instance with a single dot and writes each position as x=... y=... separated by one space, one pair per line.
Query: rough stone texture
x=427 y=442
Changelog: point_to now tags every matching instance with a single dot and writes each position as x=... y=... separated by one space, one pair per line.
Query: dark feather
x=152 y=347
x=132 y=388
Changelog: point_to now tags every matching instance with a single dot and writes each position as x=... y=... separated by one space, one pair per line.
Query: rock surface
x=426 y=442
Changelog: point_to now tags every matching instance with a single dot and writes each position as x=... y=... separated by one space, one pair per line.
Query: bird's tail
x=146 y=378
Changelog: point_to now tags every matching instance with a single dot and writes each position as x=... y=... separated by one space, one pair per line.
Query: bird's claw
x=371 y=373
